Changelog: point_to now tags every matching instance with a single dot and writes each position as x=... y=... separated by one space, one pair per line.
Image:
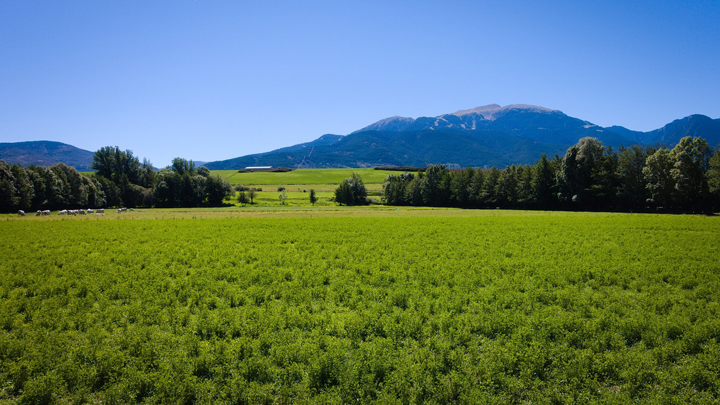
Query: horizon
x=211 y=82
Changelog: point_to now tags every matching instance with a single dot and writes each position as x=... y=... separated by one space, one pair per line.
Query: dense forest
x=119 y=180
x=589 y=177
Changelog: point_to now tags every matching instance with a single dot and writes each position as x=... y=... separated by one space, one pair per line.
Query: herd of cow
x=75 y=212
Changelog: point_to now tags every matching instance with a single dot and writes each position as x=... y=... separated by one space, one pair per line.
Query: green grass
x=298 y=183
x=302 y=176
x=363 y=305
x=270 y=197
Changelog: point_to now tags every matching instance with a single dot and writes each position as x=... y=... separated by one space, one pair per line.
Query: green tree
x=394 y=188
x=182 y=166
x=252 y=193
x=691 y=161
x=8 y=191
x=343 y=194
x=76 y=191
x=488 y=194
x=167 y=189
x=24 y=187
x=413 y=195
x=217 y=189
x=604 y=181
x=49 y=189
x=203 y=171
x=351 y=191
x=95 y=194
x=110 y=162
x=543 y=184
x=713 y=179
x=435 y=186
x=506 y=190
x=476 y=188
x=631 y=191
x=40 y=197
x=146 y=175
x=658 y=179
x=133 y=180
x=242 y=198
x=460 y=187
x=524 y=188
x=579 y=172
x=109 y=190
x=313 y=197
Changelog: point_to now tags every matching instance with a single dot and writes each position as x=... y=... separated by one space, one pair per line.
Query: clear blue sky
x=211 y=80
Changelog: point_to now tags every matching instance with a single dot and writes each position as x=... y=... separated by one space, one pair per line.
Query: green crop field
x=302 y=176
x=359 y=305
x=298 y=183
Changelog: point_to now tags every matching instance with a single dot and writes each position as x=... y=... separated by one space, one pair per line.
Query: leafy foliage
x=351 y=191
x=588 y=177
x=40 y=188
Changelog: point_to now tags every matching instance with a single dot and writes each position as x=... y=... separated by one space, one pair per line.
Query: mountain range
x=485 y=136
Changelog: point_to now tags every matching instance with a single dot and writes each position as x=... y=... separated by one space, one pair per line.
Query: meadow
x=360 y=305
x=302 y=176
x=298 y=183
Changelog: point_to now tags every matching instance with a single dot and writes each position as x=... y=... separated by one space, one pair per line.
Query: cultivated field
x=360 y=305
x=298 y=184
x=302 y=176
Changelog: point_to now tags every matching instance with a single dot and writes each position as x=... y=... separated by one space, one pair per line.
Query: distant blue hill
x=45 y=153
x=482 y=137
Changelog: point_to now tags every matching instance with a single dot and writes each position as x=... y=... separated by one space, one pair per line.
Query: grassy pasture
x=298 y=183
x=302 y=176
x=369 y=304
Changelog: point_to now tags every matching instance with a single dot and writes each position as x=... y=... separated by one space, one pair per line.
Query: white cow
x=46 y=212
x=63 y=212
x=90 y=211
x=101 y=211
x=38 y=213
x=82 y=212
x=21 y=213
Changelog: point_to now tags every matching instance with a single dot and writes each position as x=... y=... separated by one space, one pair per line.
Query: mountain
x=529 y=122
x=450 y=146
x=291 y=156
x=45 y=153
x=694 y=125
x=485 y=136
x=490 y=135
x=327 y=139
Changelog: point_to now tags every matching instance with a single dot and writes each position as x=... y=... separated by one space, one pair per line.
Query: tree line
x=120 y=179
x=589 y=177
